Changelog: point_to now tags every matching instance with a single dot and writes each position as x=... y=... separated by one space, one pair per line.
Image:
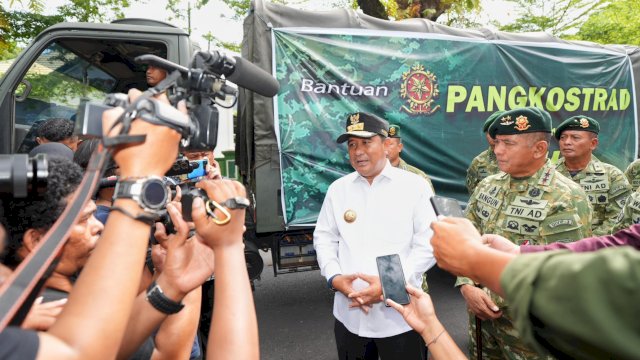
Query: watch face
x=154 y=194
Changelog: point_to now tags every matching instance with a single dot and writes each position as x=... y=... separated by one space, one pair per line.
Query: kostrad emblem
x=420 y=90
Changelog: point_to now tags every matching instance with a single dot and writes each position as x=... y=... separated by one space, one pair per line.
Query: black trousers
x=405 y=346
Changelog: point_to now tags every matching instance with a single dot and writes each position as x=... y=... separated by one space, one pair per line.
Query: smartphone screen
x=446 y=206
x=392 y=279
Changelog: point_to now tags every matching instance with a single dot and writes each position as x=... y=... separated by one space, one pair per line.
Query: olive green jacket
x=585 y=306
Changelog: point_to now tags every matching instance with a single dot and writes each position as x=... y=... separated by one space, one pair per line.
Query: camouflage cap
x=364 y=125
x=521 y=121
x=579 y=123
x=394 y=131
x=490 y=120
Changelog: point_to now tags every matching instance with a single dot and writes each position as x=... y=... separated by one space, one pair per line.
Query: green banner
x=439 y=89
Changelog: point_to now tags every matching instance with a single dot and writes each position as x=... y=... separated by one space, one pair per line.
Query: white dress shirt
x=393 y=216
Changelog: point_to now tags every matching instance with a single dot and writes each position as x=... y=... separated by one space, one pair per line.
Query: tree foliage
x=617 y=23
x=557 y=17
x=19 y=27
x=425 y=9
x=93 y=10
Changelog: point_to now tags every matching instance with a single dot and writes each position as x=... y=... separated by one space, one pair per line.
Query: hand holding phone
x=446 y=206
x=392 y=279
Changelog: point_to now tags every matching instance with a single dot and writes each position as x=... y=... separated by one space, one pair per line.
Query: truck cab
x=71 y=62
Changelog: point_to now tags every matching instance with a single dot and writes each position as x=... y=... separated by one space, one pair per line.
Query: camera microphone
x=241 y=72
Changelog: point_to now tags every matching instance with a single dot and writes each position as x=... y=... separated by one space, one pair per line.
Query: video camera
x=202 y=85
x=22 y=176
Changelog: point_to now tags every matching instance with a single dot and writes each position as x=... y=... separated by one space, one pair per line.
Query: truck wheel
x=253 y=260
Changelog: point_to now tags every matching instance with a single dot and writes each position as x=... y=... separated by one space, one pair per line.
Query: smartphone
x=392 y=279
x=446 y=206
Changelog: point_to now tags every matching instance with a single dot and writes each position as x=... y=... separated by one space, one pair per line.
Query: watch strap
x=330 y=282
x=160 y=301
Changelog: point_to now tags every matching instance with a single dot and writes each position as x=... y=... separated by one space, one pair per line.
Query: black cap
x=579 y=123
x=364 y=125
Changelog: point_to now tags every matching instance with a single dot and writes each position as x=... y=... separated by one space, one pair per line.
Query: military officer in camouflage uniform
x=485 y=163
x=605 y=185
x=633 y=174
x=394 y=147
x=529 y=202
x=630 y=213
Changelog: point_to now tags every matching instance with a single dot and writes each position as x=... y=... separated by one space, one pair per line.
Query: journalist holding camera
x=105 y=315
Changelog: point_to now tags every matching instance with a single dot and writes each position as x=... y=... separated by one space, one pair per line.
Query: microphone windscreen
x=251 y=77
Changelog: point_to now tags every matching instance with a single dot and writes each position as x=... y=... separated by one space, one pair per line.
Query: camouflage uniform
x=404 y=166
x=543 y=208
x=607 y=189
x=633 y=174
x=630 y=213
x=483 y=165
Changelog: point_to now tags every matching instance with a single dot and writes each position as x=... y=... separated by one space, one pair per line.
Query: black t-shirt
x=18 y=344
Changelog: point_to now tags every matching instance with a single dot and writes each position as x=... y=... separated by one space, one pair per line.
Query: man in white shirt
x=376 y=210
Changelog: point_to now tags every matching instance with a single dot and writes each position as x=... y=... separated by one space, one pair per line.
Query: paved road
x=295 y=314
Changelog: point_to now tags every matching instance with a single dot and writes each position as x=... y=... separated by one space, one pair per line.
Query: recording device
x=392 y=279
x=446 y=206
x=199 y=170
x=22 y=176
x=201 y=85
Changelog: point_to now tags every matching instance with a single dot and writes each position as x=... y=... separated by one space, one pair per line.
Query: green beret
x=521 y=121
x=490 y=120
x=364 y=125
x=394 y=131
x=579 y=123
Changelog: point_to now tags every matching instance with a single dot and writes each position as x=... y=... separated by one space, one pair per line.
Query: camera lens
x=22 y=176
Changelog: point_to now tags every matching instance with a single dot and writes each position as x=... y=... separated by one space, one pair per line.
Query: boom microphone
x=241 y=72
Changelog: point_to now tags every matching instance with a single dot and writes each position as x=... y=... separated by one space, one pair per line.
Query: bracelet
x=144 y=217
x=436 y=338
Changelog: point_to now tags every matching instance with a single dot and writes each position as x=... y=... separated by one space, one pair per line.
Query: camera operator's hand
x=152 y=157
x=213 y=170
x=187 y=264
x=214 y=235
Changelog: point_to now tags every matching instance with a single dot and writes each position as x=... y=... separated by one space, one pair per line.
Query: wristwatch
x=160 y=301
x=149 y=192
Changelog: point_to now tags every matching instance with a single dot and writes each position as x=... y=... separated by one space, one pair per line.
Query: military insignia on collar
x=584 y=123
x=522 y=123
x=355 y=118
x=506 y=121
x=535 y=192
x=392 y=131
